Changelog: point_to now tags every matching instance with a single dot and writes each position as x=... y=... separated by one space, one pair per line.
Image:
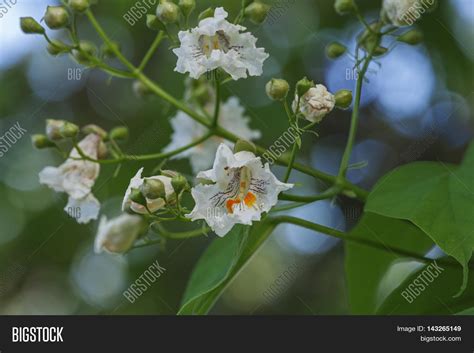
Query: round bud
x=277 y=89
x=85 y=52
x=179 y=183
x=167 y=12
x=94 y=129
x=153 y=23
x=187 y=6
x=412 y=37
x=335 y=50
x=53 y=129
x=30 y=26
x=41 y=141
x=343 y=98
x=56 y=17
x=69 y=130
x=244 y=145
x=119 y=133
x=137 y=197
x=140 y=89
x=79 y=5
x=153 y=189
x=57 y=47
x=257 y=12
x=303 y=86
x=209 y=12
x=109 y=50
x=103 y=151
x=343 y=7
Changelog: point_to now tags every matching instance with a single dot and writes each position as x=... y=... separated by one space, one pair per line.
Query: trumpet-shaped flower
x=217 y=43
x=118 y=234
x=76 y=178
x=243 y=188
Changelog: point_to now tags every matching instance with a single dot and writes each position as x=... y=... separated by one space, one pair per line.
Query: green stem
x=306 y=199
x=292 y=161
x=215 y=119
x=151 y=50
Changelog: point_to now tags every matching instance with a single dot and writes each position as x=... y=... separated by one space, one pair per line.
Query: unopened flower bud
x=137 y=197
x=169 y=173
x=167 y=12
x=343 y=98
x=209 y=12
x=57 y=47
x=187 y=6
x=179 y=183
x=30 y=26
x=53 y=129
x=103 y=151
x=140 y=89
x=153 y=23
x=257 y=12
x=79 y=5
x=277 y=89
x=118 y=234
x=85 y=52
x=56 y=17
x=69 y=130
x=109 y=50
x=412 y=37
x=119 y=133
x=303 y=86
x=94 y=129
x=343 y=7
x=335 y=50
x=244 y=145
x=153 y=189
x=379 y=51
x=41 y=141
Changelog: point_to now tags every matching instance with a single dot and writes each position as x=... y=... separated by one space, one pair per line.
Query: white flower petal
x=315 y=104
x=118 y=234
x=86 y=208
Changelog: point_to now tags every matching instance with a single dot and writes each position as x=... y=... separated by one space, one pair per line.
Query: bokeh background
x=417 y=105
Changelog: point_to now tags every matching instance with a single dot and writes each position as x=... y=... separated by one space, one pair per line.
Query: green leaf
x=438 y=198
x=469 y=311
x=204 y=289
x=212 y=269
x=378 y=278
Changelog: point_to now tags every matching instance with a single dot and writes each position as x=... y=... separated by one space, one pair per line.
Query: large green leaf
x=231 y=255
x=438 y=198
x=377 y=277
x=469 y=311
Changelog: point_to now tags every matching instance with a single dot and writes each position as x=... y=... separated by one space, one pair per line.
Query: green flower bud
x=343 y=98
x=56 y=17
x=169 y=173
x=94 y=129
x=257 y=12
x=412 y=37
x=167 y=12
x=244 y=145
x=85 y=52
x=187 y=6
x=209 y=12
x=140 y=89
x=109 y=50
x=335 y=50
x=277 y=89
x=380 y=51
x=119 y=133
x=153 y=189
x=41 y=141
x=79 y=5
x=137 y=197
x=103 y=151
x=179 y=183
x=69 y=130
x=303 y=86
x=57 y=47
x=153 y=23
x=53 y=129
x=343 y=7
x=30 y=26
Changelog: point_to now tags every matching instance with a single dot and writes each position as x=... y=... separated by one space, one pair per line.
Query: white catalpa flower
x=243 y=188
x=186 y=130
x=118 y=234
x=76 y=178
x=218 y=43
x=315 y=103
x=153 y=205
x=403 y=12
